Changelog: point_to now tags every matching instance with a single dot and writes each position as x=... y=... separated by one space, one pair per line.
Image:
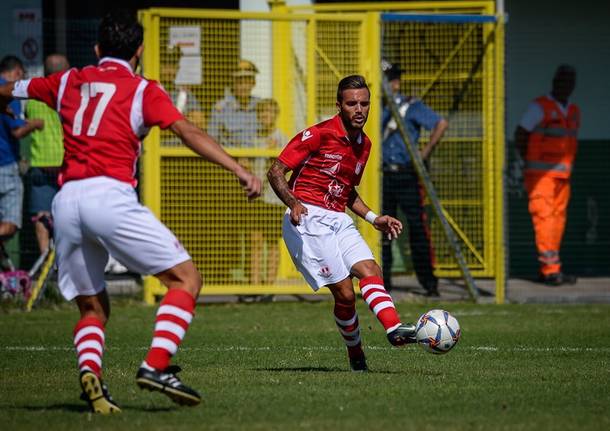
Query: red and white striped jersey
x=326 y=165
x=105 y=110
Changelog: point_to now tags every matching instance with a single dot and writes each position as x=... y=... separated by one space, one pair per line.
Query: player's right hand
x=251 y=184
x=297 y=212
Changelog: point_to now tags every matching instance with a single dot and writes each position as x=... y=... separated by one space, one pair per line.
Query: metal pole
x=422 y=173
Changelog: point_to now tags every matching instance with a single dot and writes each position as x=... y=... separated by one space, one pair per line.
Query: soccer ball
x=437 y=331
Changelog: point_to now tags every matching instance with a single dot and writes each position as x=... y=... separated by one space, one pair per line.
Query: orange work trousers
x=548 y=202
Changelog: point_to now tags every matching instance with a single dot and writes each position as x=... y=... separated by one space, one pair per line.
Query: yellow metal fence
x=296 y=60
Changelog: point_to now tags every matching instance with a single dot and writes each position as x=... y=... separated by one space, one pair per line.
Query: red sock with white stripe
x=89 y=342
x=380 y=302
x=346 y=319
x=173 y=319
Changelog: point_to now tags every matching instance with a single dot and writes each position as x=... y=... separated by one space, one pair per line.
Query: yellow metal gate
x=297 y=58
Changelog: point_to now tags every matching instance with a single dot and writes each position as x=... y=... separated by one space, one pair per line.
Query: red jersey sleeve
x=45 y=89
x=300 y=147
x=157 y=107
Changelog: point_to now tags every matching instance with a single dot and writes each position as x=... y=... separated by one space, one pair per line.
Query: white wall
x=256 y=43
x=13 y=34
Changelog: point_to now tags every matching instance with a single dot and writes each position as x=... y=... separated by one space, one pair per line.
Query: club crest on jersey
x=306 y=135
x=334 y=191
x=324 y=272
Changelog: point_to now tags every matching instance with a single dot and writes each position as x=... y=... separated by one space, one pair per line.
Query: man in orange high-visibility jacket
x=546 y=140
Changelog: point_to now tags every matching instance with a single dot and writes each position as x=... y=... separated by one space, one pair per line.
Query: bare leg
x=42 y=234
x=97 y=306
x=183 y=276
x=7 y=230
x=366 y=268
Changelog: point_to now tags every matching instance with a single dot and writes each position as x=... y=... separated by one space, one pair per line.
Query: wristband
x=370 y=217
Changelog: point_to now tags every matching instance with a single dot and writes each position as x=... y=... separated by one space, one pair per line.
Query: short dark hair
x=119 y=35
x=565 y=71
x=351 y=82
x=10 y=62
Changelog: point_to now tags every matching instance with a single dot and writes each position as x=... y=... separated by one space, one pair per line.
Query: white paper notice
x=187 y=38
x=189 y=70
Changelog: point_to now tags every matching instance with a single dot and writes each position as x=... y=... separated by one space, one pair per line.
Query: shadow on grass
x=82 y=408
x=321 y=370
x=77 y=408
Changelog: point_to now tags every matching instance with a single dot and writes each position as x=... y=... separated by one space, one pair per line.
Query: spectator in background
x=233 y=119
x=401 y=185
x=12 y=128
x=46 y=156
x=270 y=209
x=183 y=97
x=546 y=140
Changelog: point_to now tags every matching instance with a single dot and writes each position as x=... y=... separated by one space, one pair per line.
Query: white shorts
x=101 y=215
x=325 y=246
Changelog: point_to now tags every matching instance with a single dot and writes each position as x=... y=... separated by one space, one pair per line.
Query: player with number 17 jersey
x=326 y=165
x=106 y=110
x=128 y=104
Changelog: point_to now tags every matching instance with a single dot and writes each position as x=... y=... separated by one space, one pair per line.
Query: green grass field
x=283 y=366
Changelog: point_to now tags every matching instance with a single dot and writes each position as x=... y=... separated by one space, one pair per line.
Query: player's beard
x=350 y=123
x=358 y=122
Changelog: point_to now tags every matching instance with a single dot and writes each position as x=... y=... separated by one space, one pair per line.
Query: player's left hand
x=388 y=225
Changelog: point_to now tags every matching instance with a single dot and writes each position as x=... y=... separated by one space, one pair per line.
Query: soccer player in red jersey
x=106 y=110
x=327 y=161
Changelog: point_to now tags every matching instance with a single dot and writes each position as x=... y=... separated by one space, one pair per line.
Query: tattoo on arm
x=277 y=180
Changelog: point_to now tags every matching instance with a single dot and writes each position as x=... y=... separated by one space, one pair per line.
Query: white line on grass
x=476 y=313
x=525 y=349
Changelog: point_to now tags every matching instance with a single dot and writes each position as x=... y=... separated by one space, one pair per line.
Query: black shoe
x=557 y=279
x=404 y=334
x=430 y=285
x=432 y=293
x=95 y=393
x=169 y=384
x=358 y=364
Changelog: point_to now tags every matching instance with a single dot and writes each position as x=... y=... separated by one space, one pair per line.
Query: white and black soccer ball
x=437 y=331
